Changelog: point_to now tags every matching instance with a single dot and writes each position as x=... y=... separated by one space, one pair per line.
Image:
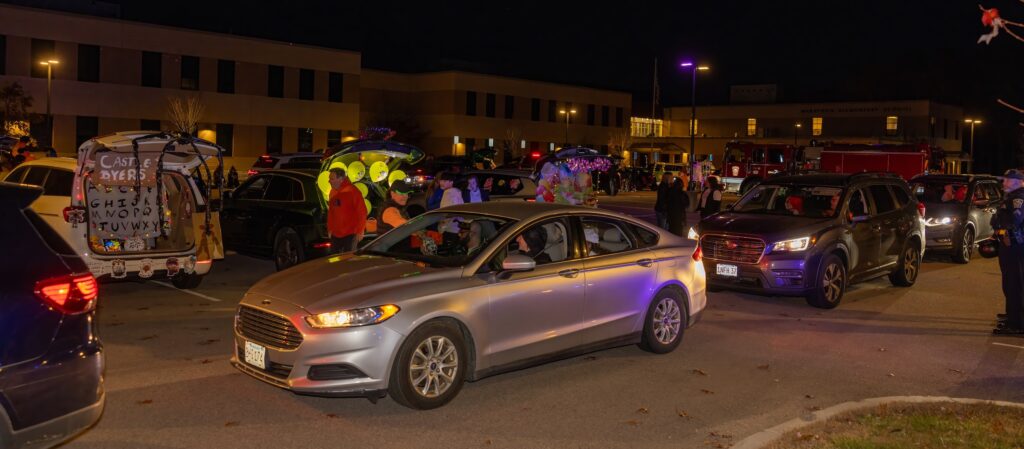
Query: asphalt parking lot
x=752 y=362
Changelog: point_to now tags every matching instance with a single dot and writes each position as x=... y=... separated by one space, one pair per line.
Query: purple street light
x=686 y=64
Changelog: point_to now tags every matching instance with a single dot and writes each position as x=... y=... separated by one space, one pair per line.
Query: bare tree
x=14 y=105
x=185 y=114
x=620 y=141
x=511 y=144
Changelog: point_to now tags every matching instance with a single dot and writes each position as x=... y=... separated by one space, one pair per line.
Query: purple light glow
x=686 y=64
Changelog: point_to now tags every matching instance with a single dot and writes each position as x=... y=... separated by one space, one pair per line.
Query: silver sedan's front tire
x=664 y=324
x=430 y=367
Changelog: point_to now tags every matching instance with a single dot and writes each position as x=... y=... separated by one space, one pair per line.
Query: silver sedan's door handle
x=645 y=262
x=570 y=273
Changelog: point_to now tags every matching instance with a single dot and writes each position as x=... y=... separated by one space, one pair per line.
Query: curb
x=763 y=438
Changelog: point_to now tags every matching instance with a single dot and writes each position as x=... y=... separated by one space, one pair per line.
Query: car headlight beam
x=939 y=221
x=352 y=317
x=791 y=245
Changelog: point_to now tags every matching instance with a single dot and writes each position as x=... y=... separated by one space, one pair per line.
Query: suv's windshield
x=439 y=239
x=796 y=200
x=936 y=191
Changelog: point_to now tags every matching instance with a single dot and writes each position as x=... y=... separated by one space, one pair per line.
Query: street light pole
x=693 y=106
x=567 y=114
x=796 y=130
x=970 y=149
x=49 y=88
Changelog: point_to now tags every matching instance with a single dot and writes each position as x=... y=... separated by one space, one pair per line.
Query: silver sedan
x=465 y=292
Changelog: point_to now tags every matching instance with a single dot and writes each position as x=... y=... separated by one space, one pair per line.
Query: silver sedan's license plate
x=255 y=355
x=726 y=270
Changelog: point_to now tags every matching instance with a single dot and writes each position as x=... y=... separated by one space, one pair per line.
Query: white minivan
x=109 y=206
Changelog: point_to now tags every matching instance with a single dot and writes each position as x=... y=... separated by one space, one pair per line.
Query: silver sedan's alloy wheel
x=832 y=283
x=910 y=263
x=667 y=319
x=433 y=366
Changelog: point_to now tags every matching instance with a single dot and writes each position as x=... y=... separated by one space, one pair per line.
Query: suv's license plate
x=726 y=270
x=255 y=355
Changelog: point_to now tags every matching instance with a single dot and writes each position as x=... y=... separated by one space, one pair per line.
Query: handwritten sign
x=117 y=212
x=121 y=169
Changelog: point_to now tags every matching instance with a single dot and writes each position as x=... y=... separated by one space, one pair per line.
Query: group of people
x=22 y=151
x=673 y=202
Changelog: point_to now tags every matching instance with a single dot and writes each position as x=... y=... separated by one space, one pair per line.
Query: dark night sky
x=814 y=50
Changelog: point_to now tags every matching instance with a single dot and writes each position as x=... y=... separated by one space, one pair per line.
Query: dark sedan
x=51 y=362
x=958 y=211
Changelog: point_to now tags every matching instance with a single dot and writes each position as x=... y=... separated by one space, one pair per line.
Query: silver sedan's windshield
x=796 y=200
x=439 y=239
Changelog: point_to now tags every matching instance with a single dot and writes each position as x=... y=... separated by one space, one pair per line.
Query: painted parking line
x=1008 y=346
x=164 y=284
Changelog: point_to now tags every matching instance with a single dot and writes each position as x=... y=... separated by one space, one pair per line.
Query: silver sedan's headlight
x=353 y=317
x=791 y=245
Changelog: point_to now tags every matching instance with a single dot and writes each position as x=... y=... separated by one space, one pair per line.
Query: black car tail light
x=71 y=294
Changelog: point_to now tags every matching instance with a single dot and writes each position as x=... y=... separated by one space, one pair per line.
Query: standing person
x=434 y=192
x=346 y=213
x=450 y=197
x=473 y=193
x=678 y=203
x=661 y=202
x=711 y=198
x=1009 y=225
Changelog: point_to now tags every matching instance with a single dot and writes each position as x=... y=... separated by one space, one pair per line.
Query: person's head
x=1013 y=179
x=833 y=202
x=794 y=204
x=447 y=181
x=336 y=177
x=532 y=241
x=480 y=232
x=666 y=177
x=472 y=183
x=400 y=192
x=713 y=181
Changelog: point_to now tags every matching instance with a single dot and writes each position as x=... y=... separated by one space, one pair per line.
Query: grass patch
x=914 y=426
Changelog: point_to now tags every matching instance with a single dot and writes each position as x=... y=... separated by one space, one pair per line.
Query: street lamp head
x=49 y=61
x=799 y=125
x=703 y=68
x=572 y=111
x=972 y=121
x=686 y=64
x=561 y=111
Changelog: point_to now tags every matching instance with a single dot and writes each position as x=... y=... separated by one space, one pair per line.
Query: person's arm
x=393 y=217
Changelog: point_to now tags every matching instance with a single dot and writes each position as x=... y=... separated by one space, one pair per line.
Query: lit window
x=816 y=126
x=456 y=140
x=751 y=126
x=892 y=124
x=522 y=144
x=694 y=126
x=645 y=127
x=490 y=142
x=551 y=146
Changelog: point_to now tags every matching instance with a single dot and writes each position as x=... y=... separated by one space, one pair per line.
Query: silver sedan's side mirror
x=518 y=262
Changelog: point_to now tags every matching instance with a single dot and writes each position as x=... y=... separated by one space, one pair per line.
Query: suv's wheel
x=963 y=249
x=666 y=319
x=186 y=281
x=830 y=285
x=907 y=267
x=287 y=249
x=429 y=368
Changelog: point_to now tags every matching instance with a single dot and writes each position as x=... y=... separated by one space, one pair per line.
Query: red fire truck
x=906 y=160
x=747 y=164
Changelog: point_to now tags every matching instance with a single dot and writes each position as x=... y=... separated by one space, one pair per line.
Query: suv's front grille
x=732 y=249
x=269 y=329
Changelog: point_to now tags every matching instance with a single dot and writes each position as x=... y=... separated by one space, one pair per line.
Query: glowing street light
x=567 y=114
x=49 y=63
x=694 y=68
x=972 y=122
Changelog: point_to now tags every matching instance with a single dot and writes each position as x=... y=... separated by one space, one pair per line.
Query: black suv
x=812 y=235
x=958 y=209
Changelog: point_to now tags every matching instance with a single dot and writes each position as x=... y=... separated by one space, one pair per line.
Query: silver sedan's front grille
x=266 y=328
x=732 y=249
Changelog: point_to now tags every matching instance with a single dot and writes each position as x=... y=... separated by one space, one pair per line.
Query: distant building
x=753 y=94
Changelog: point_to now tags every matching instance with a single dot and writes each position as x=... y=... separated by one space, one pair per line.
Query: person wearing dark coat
x=661 y=203
x=677 y=204
x=710 y=199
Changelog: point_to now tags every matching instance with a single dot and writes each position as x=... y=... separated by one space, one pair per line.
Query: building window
x=225 y=76
x=333 y=138
x=89 y=63
x=510 y=106
x=489 y=105
x=552 y=110
x=226 y=137
x=274 y=139
x=892 y=125
x=335 y=85
x=275 y=81
x=152 y=69
x=3 y=54
x=86 y=128
x=470 y=103
x=42 y=50
x=190 y=73
x=591 y=114
x=470 y=143
x=694 y=127
x=751 y=127
x=604 y=115
x=149 y=125
x=305 y=139
x=619 y=114
x=306 y=81
x=816 y=126
x=645 y=127
x=535 y=109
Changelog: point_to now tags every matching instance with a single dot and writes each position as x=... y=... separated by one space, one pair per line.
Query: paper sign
x=121 y=169
x=118 y=213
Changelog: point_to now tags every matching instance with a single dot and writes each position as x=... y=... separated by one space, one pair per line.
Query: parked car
x=277 y=213
x=294 y=161
x=413 y=315
x=51 y=362
x=56 y=176
x=501 y=184
x=813 y=235
x=958 y=209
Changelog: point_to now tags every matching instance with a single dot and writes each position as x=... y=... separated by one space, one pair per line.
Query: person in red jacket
x=346 y=213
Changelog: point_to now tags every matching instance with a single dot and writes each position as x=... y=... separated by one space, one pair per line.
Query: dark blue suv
x=51 y=361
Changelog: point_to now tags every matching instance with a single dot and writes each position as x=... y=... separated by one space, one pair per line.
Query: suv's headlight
x=940 y=221
x=792 y=245
x=353 y=317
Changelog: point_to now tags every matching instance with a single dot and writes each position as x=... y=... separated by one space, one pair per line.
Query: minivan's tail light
x=697 y=254
x=69 y=294
x=251 y=172
x=920 y=208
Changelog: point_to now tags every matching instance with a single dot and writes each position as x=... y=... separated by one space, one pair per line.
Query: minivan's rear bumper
x=133 y=267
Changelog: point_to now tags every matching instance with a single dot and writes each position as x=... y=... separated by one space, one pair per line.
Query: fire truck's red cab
x=906 y=160
x=747 y=164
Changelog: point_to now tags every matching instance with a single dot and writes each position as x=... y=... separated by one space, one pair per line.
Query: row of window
x=152 y=71
x=555 y=113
